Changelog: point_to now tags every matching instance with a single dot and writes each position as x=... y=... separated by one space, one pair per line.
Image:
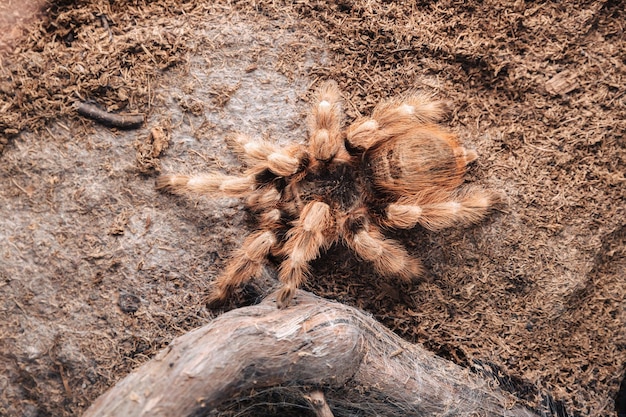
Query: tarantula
x=395 y=169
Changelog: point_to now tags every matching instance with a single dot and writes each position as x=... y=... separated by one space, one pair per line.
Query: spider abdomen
x=422 y=159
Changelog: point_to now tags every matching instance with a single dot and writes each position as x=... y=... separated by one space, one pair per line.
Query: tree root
x=316 y=344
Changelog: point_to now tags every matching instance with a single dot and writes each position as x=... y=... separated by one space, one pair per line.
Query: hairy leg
x=245 y=264
x=392 y=118
x=206 y=184
x=304 y=242
x=267 y=155
x=325 y=140
x=387 y=256
x=263 y=199
x=464 y=207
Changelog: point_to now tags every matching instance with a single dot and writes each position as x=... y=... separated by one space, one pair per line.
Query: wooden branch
x=121 y=121
x=314 y=343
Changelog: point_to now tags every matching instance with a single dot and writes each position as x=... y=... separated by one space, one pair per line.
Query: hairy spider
x=395 y=169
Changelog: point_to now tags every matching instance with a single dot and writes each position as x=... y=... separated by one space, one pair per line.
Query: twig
x=66 y=385
x=121 y=121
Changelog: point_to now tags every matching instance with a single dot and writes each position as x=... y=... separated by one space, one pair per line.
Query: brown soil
x=98 y=271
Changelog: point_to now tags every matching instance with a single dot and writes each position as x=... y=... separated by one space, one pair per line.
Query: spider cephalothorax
x=395 y=169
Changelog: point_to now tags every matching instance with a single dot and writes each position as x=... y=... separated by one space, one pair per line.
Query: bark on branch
x=314 y=343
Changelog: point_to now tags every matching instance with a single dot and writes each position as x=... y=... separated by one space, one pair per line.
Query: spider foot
x=218 y=296
x=284 y=297
x=171 y=183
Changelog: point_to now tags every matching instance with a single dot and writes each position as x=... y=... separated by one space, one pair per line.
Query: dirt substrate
x=98 y=271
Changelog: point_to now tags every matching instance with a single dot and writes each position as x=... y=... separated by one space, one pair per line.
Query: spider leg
x=392 y=118
x=325 y=138
x=466 y=206
x=415 y=108
x=246 y=264
x=387 y=256
x=267 y=155
x=263 y=199
x=206 y=184
x=304 y=242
